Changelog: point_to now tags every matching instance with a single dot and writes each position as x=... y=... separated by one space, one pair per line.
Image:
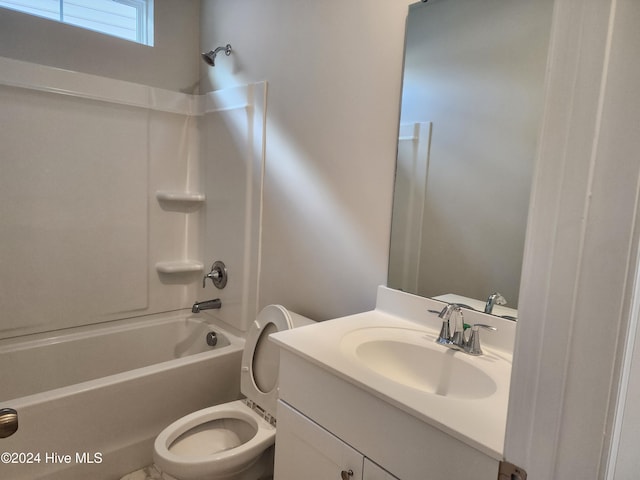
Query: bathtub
x=91 y=400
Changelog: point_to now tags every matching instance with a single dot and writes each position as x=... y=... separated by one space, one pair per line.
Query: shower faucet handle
x=213 y=275
x=218 y=275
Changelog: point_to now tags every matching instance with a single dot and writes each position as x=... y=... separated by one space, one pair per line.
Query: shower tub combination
x=91 y=400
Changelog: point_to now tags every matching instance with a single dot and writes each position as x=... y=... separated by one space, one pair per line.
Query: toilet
x=233 y=441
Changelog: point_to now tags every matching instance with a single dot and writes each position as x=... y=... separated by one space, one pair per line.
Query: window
x=128 y=19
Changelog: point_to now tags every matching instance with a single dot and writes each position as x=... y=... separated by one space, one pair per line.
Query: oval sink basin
x=411 y=358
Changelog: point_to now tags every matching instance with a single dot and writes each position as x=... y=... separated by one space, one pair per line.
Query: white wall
x=334 y=71
x=172 y=62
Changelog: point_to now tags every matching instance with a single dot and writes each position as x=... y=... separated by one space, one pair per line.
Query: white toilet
x=233 y=441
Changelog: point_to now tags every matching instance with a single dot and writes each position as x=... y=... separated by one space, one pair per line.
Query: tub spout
x=206 y=305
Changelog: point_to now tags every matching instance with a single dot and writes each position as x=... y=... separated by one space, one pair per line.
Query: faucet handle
x=457 y=335
x=472 y=346
x=218 y=275
x=443 y=338
x=214 y=275
x=452 y=336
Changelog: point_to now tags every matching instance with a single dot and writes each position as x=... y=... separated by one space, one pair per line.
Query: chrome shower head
x=210 y=57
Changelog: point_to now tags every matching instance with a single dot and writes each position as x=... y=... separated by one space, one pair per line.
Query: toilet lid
x=261 y=358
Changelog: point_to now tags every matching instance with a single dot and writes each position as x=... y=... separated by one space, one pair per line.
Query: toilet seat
x=261 y=358
x=200 y=465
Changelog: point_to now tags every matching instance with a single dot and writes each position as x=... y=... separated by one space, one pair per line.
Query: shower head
x=210 y=57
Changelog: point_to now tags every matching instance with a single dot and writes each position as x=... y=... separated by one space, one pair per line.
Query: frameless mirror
x=470 y=114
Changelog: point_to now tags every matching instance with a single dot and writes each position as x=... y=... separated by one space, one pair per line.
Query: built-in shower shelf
x=180 y=197
x=179 y=266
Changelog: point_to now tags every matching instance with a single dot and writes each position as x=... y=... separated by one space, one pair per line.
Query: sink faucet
x=206 y=305
x=452 y=337
x=494 y=299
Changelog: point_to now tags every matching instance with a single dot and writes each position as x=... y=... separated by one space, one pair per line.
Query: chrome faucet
x=494 y=299
x=206 y=305
x=452 y=337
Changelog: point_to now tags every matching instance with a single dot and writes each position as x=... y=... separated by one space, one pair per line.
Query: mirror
x=470 y=114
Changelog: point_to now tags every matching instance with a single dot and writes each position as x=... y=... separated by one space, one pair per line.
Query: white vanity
x=372 y=396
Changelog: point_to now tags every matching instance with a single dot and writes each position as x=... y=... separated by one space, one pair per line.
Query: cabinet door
x=306 y=451
x=374 y=472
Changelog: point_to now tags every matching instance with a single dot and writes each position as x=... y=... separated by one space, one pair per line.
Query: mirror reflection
x=470 y=114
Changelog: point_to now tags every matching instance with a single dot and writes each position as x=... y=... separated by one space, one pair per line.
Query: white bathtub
x=91 y=401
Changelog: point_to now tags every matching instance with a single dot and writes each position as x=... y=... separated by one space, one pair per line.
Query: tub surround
x=153 y=174
x=366 y=407
x=42 y=78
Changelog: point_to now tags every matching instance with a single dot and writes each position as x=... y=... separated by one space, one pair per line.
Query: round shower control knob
x=346 y=474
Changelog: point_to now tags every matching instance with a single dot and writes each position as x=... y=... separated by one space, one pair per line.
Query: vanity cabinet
x=326 y=424
x=306 y=450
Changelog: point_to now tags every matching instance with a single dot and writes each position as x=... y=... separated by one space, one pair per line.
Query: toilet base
x=260 y=470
